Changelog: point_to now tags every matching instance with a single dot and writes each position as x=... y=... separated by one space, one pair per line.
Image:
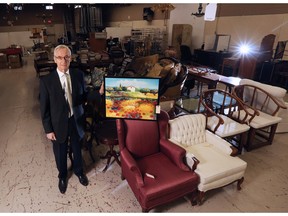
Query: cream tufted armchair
x=217 y=167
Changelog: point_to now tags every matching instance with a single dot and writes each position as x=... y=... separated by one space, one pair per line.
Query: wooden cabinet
x=97 y=43
x=247 y=67
x=211 y=58
x=271 y=70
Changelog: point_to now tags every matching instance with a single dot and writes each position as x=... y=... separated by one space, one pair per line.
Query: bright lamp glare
x=244 y=49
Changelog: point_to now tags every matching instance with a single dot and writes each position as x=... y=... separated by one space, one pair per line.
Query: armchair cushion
x=225 y=147
x=166 y=180
x=264 y=120
x=228 y=129
x=216 y=168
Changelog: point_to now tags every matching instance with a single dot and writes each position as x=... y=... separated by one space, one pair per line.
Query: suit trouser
x=61 y=149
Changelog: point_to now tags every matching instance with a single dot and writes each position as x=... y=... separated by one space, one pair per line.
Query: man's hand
x=101 y=90
x=51 y=136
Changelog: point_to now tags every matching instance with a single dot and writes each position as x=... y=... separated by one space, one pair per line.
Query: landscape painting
x=131 y=98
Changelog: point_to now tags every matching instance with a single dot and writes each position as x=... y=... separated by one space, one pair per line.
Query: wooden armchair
x=263 y=126
x=226 y=116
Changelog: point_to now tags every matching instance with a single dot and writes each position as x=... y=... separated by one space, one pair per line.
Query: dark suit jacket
x=53 y=105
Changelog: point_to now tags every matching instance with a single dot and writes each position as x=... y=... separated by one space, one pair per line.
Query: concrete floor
x=29 y=177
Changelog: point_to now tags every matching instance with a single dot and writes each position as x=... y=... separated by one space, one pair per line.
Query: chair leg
x=272 y=133
x=122 y=177
x=144 y=210
x=239 y=182
x=250 y=140
x=243 y=141
x=201 y=195
x=194 y=198
x=268 y=139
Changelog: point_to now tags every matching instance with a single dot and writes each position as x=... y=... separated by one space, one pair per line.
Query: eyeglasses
x=60 y=58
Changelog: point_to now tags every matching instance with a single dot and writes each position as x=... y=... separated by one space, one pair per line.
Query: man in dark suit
x=62 y=95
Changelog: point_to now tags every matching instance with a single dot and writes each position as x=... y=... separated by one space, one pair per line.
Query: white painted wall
x=21 y=38
x=250 y=29
x=20 y=35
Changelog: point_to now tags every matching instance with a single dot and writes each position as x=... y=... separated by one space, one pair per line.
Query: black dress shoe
x=83 y=179
x=62 y=185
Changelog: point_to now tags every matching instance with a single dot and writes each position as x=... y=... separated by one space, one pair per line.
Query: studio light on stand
x=248 y=59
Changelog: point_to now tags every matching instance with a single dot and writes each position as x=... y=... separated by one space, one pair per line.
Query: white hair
x=62 y=46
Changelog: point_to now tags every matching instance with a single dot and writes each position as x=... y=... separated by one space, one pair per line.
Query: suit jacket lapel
x=58 y=86
x=72 y=77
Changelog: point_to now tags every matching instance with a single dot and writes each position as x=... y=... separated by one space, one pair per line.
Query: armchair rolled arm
x=191 y=160
x=132 y=165
x=219 y=143
x=174 y=152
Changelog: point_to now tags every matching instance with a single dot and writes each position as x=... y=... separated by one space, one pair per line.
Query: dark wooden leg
x=194 y=198
x=272 y=133
x=122 y=176
x=144 y=210
x=239 y=182
x=201 y=197
x=250 y=140
x=116 y=156
x=111 y=153
x=243 y=141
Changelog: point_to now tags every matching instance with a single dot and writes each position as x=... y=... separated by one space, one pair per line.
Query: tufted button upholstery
x=194 y=130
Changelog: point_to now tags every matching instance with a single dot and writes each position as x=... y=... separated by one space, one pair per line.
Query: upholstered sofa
x=279 y=93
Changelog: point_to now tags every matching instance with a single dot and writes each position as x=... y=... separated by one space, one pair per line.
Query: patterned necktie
x=68 y=93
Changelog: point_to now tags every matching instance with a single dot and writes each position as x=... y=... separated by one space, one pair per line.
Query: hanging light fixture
x=199 y=13
x=165 y=9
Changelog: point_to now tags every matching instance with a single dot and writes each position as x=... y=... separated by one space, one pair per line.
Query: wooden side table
x=106 y=133
x=232 y=63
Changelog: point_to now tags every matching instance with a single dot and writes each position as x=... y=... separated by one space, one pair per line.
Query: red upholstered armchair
x=152 y=165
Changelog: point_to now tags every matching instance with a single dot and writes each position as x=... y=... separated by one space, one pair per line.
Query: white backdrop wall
x=250 y=29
